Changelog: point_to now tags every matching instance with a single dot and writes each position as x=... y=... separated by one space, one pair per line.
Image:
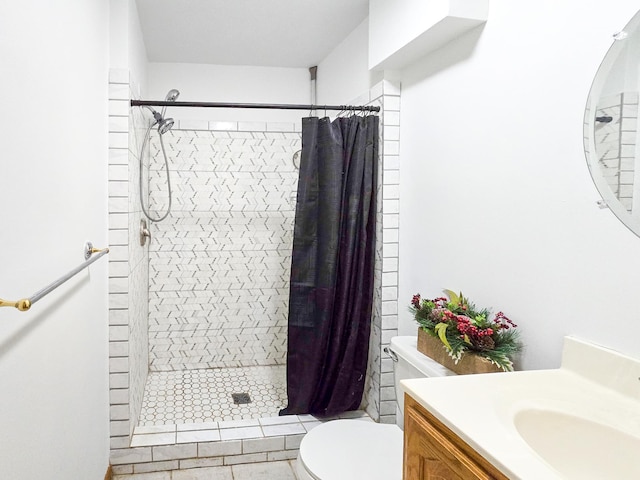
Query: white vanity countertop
x=593 y=383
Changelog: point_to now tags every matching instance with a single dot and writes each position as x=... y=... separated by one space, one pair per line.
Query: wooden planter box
x=469 y=363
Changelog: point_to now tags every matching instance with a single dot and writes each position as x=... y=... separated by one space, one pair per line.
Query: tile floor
x=205 y=395
x=193 y=406
x=251 y=471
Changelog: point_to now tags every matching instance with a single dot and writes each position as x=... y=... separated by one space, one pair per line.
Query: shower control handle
x=144 y=233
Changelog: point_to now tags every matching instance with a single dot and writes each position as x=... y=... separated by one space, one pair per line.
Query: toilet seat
x=350 y=449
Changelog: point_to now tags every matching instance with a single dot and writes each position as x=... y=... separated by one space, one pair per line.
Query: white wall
x=127 y=50
x=343 y=74
x=128 y=261
x=403 y=30
x=237 y=84
x=495 y=195
x=496 y=199
x=53 y=358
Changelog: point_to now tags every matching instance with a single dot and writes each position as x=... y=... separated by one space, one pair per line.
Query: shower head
x=164 y=124
x=172 y=95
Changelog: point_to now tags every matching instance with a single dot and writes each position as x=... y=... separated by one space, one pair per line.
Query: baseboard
x=109 y=474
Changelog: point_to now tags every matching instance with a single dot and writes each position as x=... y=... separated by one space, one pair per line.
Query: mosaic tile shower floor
x=205 y=395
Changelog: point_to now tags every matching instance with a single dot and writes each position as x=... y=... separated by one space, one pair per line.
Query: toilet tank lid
x=407 y=348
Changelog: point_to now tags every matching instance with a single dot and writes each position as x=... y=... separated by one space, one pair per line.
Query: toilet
x=349 y=449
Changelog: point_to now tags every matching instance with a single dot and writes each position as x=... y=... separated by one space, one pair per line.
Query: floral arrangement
x=462 y=328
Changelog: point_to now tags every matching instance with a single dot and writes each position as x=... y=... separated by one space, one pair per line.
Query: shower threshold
x=294 y=426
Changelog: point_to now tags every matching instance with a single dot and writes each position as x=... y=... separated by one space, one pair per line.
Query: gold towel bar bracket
x=25 y=304
x=22 y=305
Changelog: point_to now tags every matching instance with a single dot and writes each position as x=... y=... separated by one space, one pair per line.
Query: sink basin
x=579 y=448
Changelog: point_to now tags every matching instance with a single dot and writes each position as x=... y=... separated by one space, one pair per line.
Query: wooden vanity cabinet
x=433 y=452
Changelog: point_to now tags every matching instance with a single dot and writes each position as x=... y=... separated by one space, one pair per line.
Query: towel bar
x=24 y=304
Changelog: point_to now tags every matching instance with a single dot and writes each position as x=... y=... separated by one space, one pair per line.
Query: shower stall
x=198 y=316
x=219 y=272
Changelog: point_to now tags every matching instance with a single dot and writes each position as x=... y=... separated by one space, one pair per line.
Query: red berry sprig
x=502 y=321
x=415 y=301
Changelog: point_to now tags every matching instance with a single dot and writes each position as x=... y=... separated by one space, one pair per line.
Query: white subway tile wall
x=128 y=267
x=385 y=319
x=615 y=143
x=224 y=253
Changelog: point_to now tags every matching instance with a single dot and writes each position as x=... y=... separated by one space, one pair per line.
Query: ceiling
x=275 y=33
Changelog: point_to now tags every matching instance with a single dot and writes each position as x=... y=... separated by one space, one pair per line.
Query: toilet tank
x=408 y=362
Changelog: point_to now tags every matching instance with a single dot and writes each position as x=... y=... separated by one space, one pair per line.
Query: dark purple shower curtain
x=332 y=266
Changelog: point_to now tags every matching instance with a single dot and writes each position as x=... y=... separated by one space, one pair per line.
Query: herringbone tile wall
x=219 y=265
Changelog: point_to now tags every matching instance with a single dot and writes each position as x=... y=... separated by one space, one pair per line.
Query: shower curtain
x=332 y=265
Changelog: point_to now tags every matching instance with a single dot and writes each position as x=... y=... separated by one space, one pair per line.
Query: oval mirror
x=611 y=133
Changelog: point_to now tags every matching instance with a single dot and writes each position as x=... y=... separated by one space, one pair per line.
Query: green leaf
x=480 y=320
x=441 y=330
x=453 y=296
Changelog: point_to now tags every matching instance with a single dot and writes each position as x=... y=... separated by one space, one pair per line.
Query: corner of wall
x=379 y=400
x=128 y=263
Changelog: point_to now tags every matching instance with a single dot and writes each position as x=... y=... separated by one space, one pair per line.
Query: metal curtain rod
x=272 y=106
x=24 y=304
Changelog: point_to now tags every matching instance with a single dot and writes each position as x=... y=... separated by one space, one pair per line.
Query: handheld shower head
x=172 y=95
x=164 y=124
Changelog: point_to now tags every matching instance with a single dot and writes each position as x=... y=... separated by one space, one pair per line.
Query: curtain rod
x=274 y=106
